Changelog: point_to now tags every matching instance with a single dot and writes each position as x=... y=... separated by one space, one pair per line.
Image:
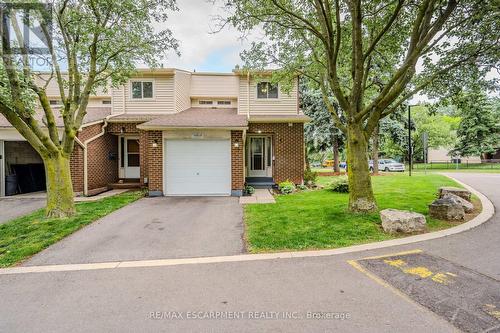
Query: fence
x=457 y=164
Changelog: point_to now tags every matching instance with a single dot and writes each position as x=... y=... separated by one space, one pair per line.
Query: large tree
x=365 y=53
x=479 y=129
x=91 y=44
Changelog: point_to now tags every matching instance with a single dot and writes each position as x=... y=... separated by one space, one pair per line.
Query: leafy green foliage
x=286 y=187
x=339 y=184
x=249 y=189
x=310 y=177
x=479 y=129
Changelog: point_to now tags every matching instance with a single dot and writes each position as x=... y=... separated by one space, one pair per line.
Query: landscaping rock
x=446 y=209
x=394 y=220
x=462 y=193
x=466 y=205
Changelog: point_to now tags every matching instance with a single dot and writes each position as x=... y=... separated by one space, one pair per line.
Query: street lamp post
x=409 y=139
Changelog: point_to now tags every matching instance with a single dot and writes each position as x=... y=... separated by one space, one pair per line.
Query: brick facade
x=154 y=162
x=237 y=167
x=288 y=147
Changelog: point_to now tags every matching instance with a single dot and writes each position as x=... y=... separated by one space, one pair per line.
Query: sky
x=201 y=49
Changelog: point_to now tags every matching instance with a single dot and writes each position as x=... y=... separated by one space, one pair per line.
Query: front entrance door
x=259 y=157
x=131 y=158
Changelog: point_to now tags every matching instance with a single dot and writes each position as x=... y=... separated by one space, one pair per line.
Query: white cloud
x=200 y=48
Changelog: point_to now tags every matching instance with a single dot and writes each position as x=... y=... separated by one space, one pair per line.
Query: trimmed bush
x=286 y=187
x=310 y=177
x=301 y=187
x=339 y=184
x=249 y=189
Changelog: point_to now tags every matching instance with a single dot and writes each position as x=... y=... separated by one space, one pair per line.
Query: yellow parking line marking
x=394 y=254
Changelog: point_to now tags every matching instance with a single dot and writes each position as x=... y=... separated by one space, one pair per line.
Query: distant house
x=435 y=155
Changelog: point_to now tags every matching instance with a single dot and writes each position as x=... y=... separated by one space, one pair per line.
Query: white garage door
x=197 y=167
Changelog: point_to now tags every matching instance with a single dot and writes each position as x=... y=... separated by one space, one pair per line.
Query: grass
x=24 y=236
x=319 y=219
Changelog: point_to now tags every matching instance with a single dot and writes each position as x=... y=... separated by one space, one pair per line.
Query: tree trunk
x=336 y=167
x=375 y=150
x=306 y=158
x=361 y=198
x=60 y=202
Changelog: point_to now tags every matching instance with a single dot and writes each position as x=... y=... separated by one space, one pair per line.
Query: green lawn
x=318 y=219
x=23 y=237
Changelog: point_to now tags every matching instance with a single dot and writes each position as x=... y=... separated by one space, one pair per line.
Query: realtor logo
x=26 y=28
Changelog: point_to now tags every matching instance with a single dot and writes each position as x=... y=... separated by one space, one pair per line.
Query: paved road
x=11 y=208
x=154 y=228
x=122 y=300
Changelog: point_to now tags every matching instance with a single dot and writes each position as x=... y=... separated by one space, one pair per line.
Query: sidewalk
x=260 y=196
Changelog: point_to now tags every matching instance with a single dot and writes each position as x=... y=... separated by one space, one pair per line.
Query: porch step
x=125 y=185
x=260 y=182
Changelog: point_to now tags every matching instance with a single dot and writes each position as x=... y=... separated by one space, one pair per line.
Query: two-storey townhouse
x=181 y=133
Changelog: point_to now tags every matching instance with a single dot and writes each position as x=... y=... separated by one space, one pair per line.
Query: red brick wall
x=237 y=167
x=288 y=146
x=154 y=160
x=101 y=167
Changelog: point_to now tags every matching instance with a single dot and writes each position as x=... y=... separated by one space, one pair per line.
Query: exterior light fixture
x=122 y=130
x=259 y=131
x=155 y=143
x=236 y=144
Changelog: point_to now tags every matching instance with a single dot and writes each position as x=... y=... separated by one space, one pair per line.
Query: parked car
x=315 y=165
x=343 y=165
x=327 y=164
x=388 y=165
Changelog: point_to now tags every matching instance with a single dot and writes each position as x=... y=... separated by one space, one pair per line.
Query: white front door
x=132 y=158
x=197 y=167
x=259 y=157
x=2 y=169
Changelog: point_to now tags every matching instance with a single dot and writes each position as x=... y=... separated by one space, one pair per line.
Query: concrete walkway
x=304 y=292
x=261 y=196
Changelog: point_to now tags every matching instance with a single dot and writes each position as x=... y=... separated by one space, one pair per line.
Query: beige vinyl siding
x=52 y=89
x=162 y=101
x=217 y=85
x=182 y=88
x=284 y=104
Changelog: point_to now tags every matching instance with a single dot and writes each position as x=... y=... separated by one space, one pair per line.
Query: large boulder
x=394 y=220
x=466 y=205
x=446 y=209
x=462 y=193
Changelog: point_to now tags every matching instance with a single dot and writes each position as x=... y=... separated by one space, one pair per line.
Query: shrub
x=286 y=187
x=249 y=189
x=302 y=187
x=310 y=177
x=339 y=184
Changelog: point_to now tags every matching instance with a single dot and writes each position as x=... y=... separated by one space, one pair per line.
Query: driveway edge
x=484 y=216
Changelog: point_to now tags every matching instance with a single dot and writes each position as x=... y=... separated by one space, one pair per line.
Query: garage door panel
x=198 y=167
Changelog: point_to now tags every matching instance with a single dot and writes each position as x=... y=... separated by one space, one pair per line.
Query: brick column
x=155 y=163
x=237 y=167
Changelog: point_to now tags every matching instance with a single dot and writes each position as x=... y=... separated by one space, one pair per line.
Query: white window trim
x=131 y=98
x=266 y=98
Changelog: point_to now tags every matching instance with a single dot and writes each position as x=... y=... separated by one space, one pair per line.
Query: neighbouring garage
x=197 y=167
x=23 y=168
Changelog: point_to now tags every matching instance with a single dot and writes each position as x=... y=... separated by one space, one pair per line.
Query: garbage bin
x=11 y=184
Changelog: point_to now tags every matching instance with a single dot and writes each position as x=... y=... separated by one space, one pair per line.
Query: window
x=142 y=89
x=205 y=102
x=223 y=102
x=53 y=102
x=106 y=102
x=267 y=90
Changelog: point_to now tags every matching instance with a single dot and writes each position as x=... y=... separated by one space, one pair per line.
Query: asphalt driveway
x=155 y=228
x=10 y=208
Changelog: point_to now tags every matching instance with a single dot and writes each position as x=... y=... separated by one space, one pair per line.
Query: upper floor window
x=142 y=89
x=223 y=102
x=267 y=90
x=106 y=101
x=205 y=102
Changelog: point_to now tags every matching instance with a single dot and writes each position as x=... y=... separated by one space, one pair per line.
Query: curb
x=485 y=215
